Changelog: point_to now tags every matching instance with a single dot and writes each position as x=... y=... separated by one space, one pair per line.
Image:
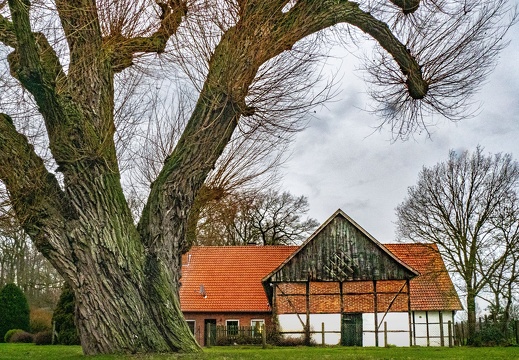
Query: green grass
x=34 y=352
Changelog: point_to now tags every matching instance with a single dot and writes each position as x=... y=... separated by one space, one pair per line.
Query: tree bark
x=471 y=314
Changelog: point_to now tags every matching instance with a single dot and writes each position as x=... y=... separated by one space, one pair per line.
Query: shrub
x=291 y=341
x=223 y=341
x=14 y=310
x=41 y=320
x=489 y=336
x=43 y=338
x=21 y=337
x=10 y=333
x=273 y=336
x=64 y=318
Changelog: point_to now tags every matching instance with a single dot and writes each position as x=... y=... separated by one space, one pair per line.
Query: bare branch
x=7 y=35
x=123 y=48
x=457 y=205
x=456 y=45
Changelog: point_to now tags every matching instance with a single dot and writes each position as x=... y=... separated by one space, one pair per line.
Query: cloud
x=340 y=161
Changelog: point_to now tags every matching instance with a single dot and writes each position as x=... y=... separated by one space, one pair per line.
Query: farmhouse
x=341 y=286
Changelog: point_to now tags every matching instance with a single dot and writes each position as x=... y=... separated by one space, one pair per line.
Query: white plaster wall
x=332 y=322
x=290 y=322
x=420 y=320
x=397 y=327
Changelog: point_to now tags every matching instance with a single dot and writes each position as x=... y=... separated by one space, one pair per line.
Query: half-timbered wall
x=356 y=296
x=339 y=273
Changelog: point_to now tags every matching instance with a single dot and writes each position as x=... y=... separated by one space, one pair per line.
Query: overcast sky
x=340 y=162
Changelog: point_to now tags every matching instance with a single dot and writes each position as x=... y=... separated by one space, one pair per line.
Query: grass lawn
x=33 y=352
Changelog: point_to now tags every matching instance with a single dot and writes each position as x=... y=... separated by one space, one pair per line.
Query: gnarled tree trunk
x=125 y=276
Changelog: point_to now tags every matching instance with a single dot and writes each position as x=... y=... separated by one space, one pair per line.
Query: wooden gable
x=341 y=250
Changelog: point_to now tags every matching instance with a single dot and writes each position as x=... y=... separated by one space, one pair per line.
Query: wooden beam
x=442 y=338
x=307 y=328
x=290 y=303
x=427 y=327
x=375 y=308
x=411 y=330
x=341 y=292
x=391 y=303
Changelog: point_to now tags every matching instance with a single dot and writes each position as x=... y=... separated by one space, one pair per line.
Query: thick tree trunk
x=125 y=278
x=126 y=300
x=117 y=312
x=471 y=314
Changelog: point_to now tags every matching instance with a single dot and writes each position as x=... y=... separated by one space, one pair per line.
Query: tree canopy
x=265 y=218
x=467 y=206
x=251 y=63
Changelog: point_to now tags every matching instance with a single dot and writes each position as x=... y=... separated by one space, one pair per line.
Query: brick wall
x=358 y=296
x=221 y=318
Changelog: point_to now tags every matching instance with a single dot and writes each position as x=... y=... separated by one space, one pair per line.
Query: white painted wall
x=397 y=326
x=291 y=322
x=433 y=318
x=332 y=322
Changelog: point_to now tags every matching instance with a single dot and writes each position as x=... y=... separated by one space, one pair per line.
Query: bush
x=489 y=336
x=41 y=320
x=64 y=318
x=43 y=338
x=14 y=310
x=21 y=337
x=10 y=333
x=291 y=341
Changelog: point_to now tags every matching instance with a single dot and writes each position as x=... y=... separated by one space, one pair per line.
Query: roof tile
x=433 y=289
x=228 y=279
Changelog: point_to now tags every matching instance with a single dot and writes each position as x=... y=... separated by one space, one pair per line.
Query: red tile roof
x=229 y=277
x=433 y=289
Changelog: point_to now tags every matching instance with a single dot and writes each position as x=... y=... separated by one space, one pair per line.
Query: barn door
x=351 y=331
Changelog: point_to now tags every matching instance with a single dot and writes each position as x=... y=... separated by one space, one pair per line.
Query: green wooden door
x=210 y=332
x=351 y=331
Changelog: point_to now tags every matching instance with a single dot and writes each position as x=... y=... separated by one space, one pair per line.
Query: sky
x=340 y=161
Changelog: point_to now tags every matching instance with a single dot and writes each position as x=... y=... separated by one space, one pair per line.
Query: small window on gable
x=232 y=327
x=191 y=324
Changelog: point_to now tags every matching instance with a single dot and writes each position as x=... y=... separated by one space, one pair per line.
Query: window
x=191 y=324
x=232 y=327
x=257 y=326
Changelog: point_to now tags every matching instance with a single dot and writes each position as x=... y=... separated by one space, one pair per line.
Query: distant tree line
x=21 y=263
x=263 y=218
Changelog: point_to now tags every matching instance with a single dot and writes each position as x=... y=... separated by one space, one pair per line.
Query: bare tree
x=501 y=268
x=454 y=205
x=248 y=61
x=22 y=264
x=264 y=218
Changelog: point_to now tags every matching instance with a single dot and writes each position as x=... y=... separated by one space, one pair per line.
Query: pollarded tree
x=247 y=59
x=463 y=206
